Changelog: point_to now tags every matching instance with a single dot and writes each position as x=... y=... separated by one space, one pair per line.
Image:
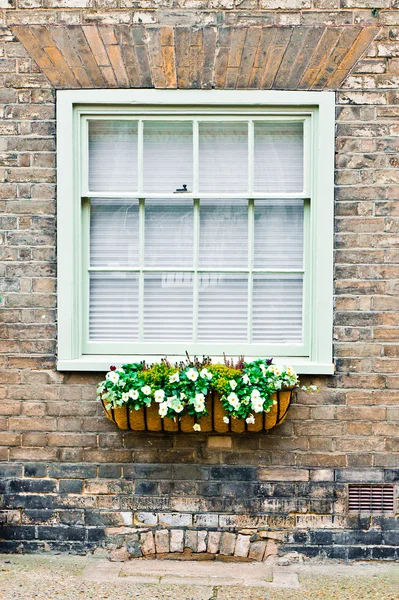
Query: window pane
x=278 y=155
x=223 y=157
x=223 y=233
x=168 y=307
x=277 y=308
x=168 y=156
x=114 y=233
x=278 y=234
x=169 y=233
x=222 y=307
x=113 y=306
x=113 y=156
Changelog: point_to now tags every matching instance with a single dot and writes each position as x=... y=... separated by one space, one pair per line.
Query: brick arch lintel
x=123 y=56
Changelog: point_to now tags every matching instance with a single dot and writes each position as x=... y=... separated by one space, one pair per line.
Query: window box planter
x=148 y=418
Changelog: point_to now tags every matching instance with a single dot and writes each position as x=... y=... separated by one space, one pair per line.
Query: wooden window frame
x=74 y=108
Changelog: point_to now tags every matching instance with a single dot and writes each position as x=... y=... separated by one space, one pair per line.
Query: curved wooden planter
x=148 y=419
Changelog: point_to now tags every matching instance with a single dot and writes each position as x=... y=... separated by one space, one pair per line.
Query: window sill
x=101 y=363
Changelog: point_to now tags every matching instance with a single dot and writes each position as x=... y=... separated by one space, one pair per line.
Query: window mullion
x=140 y=156
x=251 y=157
x=251 y=214
x=195 y=156
x=141 y=265
x=84 y=334
x=196 y=264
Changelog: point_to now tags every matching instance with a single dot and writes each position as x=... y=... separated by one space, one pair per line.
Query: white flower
x=250 y=419
x=226 y=420
x=257 y=407
x=125 y=396
x=197 y=427
x=159 y=395
x=163 y=409
x=205 y=374
x=199 y=398
x=120 y=370
x=262 y=368
x=199 y=406
x=192 y=374
x=257 y=404
x=182 y=396
x=175 y=377
x=113 y=376
x=146 y=390
x=274 y=402
x=255 y=394
x=175 y=404
x=233 y=384
x=245 y=379
x=133 y=394
x=233 y=400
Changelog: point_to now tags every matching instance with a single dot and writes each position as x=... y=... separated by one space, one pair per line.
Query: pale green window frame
x=74 y=108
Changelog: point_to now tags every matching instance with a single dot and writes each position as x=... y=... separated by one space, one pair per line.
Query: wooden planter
x=148 y=419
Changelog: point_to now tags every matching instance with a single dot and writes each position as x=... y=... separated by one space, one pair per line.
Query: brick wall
x=71 y=481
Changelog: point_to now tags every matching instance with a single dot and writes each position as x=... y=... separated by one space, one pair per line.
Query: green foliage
x=221 y=377
x=158 y=375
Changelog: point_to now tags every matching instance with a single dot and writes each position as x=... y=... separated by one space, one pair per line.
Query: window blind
x=113 y=156
x=220 y=261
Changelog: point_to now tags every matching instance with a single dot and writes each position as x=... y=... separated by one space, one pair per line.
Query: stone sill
x=101 y=363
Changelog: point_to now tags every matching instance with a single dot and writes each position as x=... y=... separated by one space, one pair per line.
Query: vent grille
x=371 y=498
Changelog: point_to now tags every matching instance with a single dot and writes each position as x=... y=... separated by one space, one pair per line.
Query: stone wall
x=71 y=481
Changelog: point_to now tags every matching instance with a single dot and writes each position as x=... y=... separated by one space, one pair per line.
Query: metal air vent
x=371 y=498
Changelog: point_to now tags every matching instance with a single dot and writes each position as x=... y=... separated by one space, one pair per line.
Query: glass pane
x=278 y=234
x=169 y=233
x=223 y=157
x=113 y=306
x=277 y=308
x=114 y=233
x=278 y=156
x=222 y=307
x=113 y=156
x=168 y=307
x=223 y=233
x=168 y=156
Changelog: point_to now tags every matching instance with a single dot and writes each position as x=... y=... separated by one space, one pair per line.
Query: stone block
x=242 y=546
x=201 y=541
x=191 y=540
x=175 y=519
x=271 y=549
x=162 y=541
x=213 y=542
x=219 y=441
x=176 y=540
x=257 y=550
x=145 y=518
x=206 y=520
x=227 y=543
x=147 y=543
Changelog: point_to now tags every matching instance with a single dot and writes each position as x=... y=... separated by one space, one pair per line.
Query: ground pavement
x=64 y=577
